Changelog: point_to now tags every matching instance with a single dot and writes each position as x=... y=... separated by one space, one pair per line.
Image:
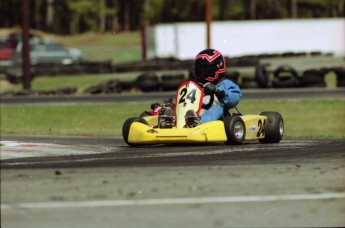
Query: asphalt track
x=101 y=182
x=294 y=183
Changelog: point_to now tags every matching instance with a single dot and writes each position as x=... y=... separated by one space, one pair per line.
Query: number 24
x=190 y=95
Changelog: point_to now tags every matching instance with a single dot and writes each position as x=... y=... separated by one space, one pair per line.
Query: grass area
x=80 y=81
x=117 y=47
x=303 y=118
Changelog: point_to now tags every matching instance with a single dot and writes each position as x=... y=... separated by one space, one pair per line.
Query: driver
x=222 y=93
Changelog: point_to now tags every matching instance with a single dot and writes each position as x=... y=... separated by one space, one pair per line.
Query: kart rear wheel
x=235 y=130
x=127 y=125
x=274 y=127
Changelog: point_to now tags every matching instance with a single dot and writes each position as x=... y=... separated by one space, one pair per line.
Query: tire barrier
x=111 y=86
x=249 y=83
x=16 y=79
x=293 y=54
x=285 y=77
x=285 y=82
x=171 y=82
x=191 y=74
x=148 y=82
x=127 y=85
x=51 y=92
x=58 y=92
x=262 y=76
x=233 y=76
x=313 y=78
x=153 y=65
x=80 y=68
x=242 y=61
x=340 y=73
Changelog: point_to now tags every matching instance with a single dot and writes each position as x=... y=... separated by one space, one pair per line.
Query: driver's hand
x=209 y=88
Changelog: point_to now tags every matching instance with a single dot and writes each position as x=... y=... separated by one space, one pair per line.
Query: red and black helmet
x=209 y=66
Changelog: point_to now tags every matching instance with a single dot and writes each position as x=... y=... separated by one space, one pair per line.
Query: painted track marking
x=171 y=201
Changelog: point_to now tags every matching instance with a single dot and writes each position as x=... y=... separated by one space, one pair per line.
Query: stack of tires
x=233 y=76
x=262 y=76
x=260 y=79
x=148 y=82
x=285 y=77
x=171 y=82
x=111 y=86
x=313 y=78
x=340 y=72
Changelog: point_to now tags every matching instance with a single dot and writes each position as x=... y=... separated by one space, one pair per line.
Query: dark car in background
x=42 y=52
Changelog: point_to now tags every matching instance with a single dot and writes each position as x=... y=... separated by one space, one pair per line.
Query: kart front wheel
x=274 y=127
x=235 y=130
x=127 y=126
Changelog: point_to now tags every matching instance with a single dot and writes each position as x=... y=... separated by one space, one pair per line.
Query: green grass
x=117 y=47
x=303 y=118
x=82 y=120
x=80 y=81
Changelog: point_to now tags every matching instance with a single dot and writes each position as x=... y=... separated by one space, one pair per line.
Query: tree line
x=78 y=16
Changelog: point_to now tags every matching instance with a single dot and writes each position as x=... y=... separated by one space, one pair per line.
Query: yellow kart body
x=211 y=132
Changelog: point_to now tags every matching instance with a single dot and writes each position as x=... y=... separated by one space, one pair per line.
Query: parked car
x=44 y=51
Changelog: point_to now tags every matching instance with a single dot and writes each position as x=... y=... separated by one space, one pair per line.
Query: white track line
x=171 y=201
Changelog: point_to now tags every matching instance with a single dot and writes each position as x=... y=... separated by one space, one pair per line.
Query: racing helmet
x=209 y=66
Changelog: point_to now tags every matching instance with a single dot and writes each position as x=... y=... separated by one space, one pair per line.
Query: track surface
x=293 y=183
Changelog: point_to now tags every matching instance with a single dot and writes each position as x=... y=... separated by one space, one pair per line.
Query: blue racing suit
x=230 y=100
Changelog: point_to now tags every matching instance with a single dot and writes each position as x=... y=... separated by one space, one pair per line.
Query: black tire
x=285 y=82
x=66 y=91
x=171 y=82
x=191 y=74
x=243 y=61
x=340 y=72
x=274 y=127
x=127 y=125
x=127 y=85
x=285 y=77
x=249 y=83
x=148 y=82
x=13 y=78
x=261 y=76
x=313 y=78
x=233 y=76
x=112 y=86
x=285 y=70
x=235 y=130
x=97 y=89
x=145 y=113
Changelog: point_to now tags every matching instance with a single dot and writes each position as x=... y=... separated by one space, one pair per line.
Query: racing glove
x=210 y=89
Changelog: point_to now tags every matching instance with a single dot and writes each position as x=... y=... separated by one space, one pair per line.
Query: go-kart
x=234 y=128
